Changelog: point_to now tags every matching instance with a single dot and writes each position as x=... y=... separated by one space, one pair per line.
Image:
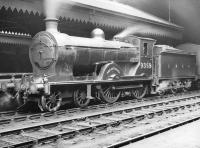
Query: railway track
x=123 y=135
x=67 y=128
x=157 y=130
x=14 y=116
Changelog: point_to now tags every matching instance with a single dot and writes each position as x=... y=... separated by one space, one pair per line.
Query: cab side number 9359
x=145 y=65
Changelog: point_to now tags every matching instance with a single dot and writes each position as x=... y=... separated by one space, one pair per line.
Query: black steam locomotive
x=67 y=67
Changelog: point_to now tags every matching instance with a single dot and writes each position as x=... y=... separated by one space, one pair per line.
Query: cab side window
x=145 y=49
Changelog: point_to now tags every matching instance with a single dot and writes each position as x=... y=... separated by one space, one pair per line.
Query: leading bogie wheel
x=139 y=93
x=80 y=98
x=20 y=99
x=51 y=102
x=109 y=95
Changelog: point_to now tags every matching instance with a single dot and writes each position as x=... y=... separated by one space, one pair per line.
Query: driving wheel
x=139 y=93
x=80 y=98
x=51 y=102
x=109 y=95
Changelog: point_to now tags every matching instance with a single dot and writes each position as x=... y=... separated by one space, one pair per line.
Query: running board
x=126 y=87
x=131 y=77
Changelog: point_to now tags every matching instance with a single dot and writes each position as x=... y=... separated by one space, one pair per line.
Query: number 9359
x=145 y=65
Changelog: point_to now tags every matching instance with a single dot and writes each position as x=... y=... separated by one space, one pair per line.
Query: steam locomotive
x=81 y=69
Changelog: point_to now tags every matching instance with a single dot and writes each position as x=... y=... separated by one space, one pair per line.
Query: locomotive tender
x=67 y=67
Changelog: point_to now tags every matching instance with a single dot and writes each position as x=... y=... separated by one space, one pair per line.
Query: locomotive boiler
x=80 y=69
x=63 y=57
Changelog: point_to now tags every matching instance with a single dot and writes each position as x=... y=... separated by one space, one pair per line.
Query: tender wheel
x=109 y=95
x=173 y=90
x=161 y=93
x=186 y=85
x=184 y=89
x=197 y=85
x=80 y=98
x=51 y=103
x=139 y=93
x=174 y=86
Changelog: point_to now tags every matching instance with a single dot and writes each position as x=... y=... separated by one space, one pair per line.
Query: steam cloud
x=52 y=8
x=132 y=30
x=144 y=29
x=6 y=102
x=139 y=29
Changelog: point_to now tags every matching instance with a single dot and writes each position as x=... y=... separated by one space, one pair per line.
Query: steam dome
x=98 y=34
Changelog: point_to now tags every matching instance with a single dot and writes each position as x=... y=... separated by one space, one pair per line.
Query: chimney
x=51 y=24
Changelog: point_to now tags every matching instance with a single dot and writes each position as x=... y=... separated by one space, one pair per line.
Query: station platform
x=186 y=136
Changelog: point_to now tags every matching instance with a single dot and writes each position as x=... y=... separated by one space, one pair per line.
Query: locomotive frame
x=82 y=69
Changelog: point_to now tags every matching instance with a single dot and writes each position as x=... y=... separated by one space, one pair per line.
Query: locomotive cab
x=146 y=54
x=145 y=46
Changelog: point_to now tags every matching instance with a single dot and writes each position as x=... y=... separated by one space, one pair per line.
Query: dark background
x=185 y=13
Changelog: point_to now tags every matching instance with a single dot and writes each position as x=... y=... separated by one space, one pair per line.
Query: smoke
x=128 y=31
x=162 y=86
x=143 y=29
x=53 y=8
x=6 y=102
x=138 y=29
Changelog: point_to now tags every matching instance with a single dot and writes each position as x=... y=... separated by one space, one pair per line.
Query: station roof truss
x=14 y=38
x=101 y=13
